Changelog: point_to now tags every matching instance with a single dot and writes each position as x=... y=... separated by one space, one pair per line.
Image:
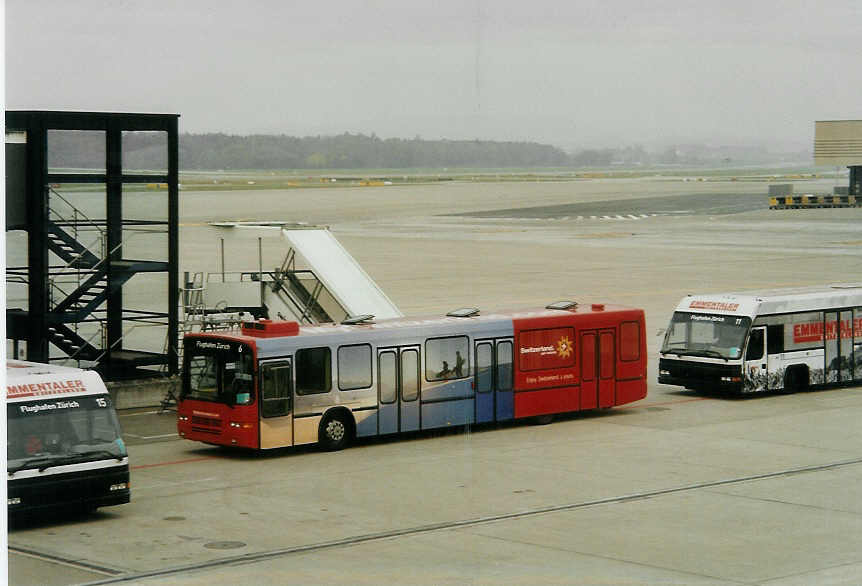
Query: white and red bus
x=64 y=448
x=274 y=384
x=754 y=341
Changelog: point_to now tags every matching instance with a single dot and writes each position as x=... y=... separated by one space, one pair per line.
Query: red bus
x=273 y=384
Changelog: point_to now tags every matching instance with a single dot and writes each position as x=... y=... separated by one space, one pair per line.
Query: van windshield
x=50 y=432
x=700 y=334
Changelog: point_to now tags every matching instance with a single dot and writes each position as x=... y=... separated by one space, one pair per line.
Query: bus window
x=484 y=364
x=223 y=375
x=409 y=375
x=755 y=345
x=354 y=367
x=446 y=358
x=857 y=342
x=275 y=389
x=238 y=379
x=313 y=371
x=606 y=355
x=630 y=348
x=504 y=366
x=386 y=377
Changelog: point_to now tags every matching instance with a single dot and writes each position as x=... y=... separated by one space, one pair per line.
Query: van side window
x=755 y=345
x=775 y=339
x=313 y=371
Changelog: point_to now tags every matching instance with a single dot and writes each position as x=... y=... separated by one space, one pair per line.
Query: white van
x=64 y=447
x=765 y=340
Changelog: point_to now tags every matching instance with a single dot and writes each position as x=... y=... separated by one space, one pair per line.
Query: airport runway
x=679 y=488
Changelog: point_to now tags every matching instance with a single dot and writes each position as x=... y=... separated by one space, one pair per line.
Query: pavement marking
x=73 y=563
x=151 y=436
x=141 y=413
x=172 y=463
x=457 y=524
x=165 y=483
x=202 y=458
x=632 y=405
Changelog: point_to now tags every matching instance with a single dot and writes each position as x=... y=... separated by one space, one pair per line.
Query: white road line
x=633 y=217
x=150 y=436
x=165 y=483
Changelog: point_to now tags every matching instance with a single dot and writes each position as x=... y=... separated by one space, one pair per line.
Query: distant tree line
x=263 y=151
x=359 y=151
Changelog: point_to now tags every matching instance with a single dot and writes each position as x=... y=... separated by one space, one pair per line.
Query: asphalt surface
x=679 y=488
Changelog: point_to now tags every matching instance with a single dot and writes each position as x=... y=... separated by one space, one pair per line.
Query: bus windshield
x=699 y=334
x=52 y=432
x=218 y=371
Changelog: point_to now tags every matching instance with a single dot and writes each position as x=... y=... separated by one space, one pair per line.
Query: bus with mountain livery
x=770 y=340
x=273 y=384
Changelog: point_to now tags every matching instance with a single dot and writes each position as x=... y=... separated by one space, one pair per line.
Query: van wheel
x=334 y=432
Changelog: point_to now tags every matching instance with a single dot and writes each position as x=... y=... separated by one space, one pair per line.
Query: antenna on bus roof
x=353 y=320
x=562 y=305
x=464 y=312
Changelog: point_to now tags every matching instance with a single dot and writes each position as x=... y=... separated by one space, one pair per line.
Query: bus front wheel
x=334 y=432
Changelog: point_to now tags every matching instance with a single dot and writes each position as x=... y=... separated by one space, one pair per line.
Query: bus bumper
x=75 y=491
x=700 y=375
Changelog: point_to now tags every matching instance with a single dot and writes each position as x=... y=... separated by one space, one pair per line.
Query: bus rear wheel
x=334 y=432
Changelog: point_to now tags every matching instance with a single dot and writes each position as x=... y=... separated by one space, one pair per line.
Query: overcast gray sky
x=573 y=73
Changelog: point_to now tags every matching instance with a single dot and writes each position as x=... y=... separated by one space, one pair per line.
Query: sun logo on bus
x=564 y=347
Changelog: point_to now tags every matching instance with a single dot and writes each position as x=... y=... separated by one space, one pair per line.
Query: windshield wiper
x=45 y=462
x=33 y=463
x=106 y=453
x=704 y=352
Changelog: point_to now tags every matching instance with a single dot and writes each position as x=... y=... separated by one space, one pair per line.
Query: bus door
x=598 y=368
x=276 y=404
x=838 y=334
x=398 y=389
x=757 y=360
x=493 y=380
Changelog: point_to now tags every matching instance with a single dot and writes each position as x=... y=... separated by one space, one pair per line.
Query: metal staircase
x=68 y=248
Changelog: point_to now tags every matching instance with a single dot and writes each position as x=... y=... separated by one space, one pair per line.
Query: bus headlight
x=119 y=486
x=731 y=379
x=183 y=417
x=15 y=500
